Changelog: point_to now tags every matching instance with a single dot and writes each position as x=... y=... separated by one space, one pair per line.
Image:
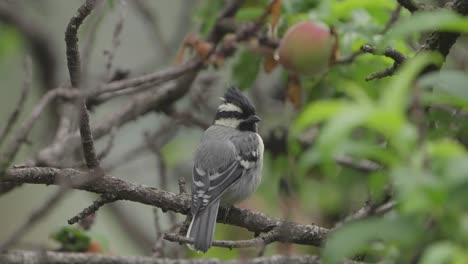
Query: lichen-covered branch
x=51 y=257
x=253 y=221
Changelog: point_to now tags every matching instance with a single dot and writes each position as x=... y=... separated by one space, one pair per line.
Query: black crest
x=234 y=96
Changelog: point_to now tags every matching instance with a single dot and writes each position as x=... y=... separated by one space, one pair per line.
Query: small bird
x=227 y=165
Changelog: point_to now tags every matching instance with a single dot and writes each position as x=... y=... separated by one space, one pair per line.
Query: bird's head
x=236 y=111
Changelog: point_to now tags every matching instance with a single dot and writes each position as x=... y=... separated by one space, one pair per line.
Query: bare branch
x=253 y=221
x=115 y=39
x=369 y=209
x=394 y=17
x=398 y=57
x=74 y=68
x=51 y=257
x=349 y=59
x=260 y=241
x=105 y=199
x=71 y=40
x=408 y=4
x=7 y=156
x=443 y=41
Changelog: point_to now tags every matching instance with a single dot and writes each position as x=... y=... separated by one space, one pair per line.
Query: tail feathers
x=202 y=228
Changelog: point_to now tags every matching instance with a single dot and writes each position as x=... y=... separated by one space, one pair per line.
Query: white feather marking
x=228 y=107
x=199 y=183
x=200 y=171
x=205 y=201
x=247 y=164
x=201 y=193
x=214 y=176
x=188 y=233
x=228 y=122
x=260 y=147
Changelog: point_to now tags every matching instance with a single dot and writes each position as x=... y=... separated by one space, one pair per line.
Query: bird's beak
x=253 y=119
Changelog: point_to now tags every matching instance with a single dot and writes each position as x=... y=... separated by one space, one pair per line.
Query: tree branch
x=398 y=58
x=260 y=241
x=253 y=221
x=443 y=41
x=51 y=257
x=74 y=68
x=408 y=4
x=105 y=199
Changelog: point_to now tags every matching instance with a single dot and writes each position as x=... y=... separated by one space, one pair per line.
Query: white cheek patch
x=229 y=122
x=228 y=107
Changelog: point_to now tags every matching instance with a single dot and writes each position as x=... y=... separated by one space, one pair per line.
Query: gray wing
x=214 y=171
x=218 y=165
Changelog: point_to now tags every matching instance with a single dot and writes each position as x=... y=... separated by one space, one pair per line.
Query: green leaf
x=450 y=84
x=444 y=252
x=396 y=93
x=10 y=40
x=356 y=237
x=445 y=148
x=246 y=68
x=441 y=20
x=336 y=131
x=249 y=13
x=317 y=112
x=343 y=9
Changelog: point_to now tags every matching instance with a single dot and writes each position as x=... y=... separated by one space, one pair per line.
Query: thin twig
x=21 y=134
x=259 y=241
x=74 y=68
x=398 y=58
x=182 y=186
x=27 y=67
x=109 y=145
x=158 y=244
x=105 y=199
x=393 y=18
x=349 y=59
x=161 y=164
x=115 y=39
x=369 y=209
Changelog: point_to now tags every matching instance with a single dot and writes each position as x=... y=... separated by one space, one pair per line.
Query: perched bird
x=227 y=165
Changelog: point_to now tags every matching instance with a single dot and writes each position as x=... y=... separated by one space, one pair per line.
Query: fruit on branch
x=307 y=48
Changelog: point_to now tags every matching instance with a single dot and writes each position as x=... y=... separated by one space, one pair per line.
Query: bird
x=227 y=165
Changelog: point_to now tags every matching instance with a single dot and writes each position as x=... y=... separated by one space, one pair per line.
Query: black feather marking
x=234 y=96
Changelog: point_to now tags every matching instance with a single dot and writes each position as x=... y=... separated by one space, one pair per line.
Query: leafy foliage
x=423 y=157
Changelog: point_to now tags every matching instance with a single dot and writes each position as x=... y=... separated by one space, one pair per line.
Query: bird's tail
x=202 y=228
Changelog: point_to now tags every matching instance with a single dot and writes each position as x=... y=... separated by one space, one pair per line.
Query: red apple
x=306 y=48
